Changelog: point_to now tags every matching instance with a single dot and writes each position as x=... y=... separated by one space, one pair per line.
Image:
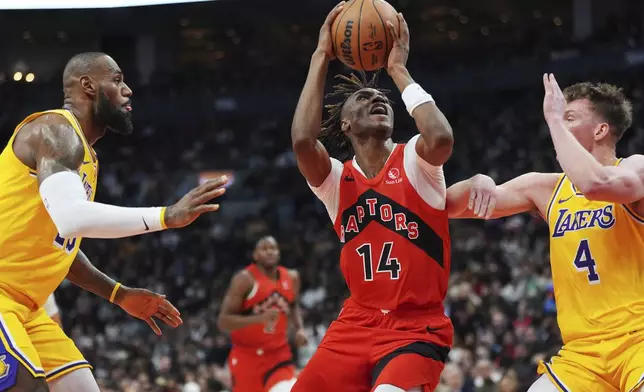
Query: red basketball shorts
x=365 y=348
x=257 y=371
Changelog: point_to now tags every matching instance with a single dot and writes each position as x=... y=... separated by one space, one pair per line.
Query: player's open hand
x=147 y=305
x=300 y=338
x=400 y=51
x=195 y=203
x=325 y=41
x=554 y=102
x=482 y=196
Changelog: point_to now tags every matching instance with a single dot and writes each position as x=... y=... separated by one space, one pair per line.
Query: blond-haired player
x=596 y=219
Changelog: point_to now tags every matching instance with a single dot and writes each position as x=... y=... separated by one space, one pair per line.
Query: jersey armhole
x=553 y=196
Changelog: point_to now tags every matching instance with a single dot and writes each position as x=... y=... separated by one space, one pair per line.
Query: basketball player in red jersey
x=260 y=300
x=387 y=204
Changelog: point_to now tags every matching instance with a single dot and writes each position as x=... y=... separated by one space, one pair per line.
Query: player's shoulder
x=52 y=129
x=243 y=277
x=538 y=179
x=635 y=160
x=293 y=274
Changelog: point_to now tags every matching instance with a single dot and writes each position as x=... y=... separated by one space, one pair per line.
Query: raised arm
x=51 y=146
x=312 y=158
x=622 y=184
x=437 y=141
x=478 y=198
x=230 y=315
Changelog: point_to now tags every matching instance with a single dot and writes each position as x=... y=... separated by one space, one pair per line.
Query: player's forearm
x=307 y=120
x=233 y=322
x=430 y=121
x=84 y=275
x=458 y=196
x=583 y=170
x=74 y=216
x=296 y=317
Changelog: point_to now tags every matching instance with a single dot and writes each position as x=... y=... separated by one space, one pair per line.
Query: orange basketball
x=361 y=39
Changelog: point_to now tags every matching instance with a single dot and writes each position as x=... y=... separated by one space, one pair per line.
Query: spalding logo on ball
x=361 y=39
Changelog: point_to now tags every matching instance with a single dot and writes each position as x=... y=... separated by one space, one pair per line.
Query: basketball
x=361 y=38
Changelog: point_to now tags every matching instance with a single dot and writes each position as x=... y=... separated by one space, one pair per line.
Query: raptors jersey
x=596 y=251
x=393 y=229
x=266 y=293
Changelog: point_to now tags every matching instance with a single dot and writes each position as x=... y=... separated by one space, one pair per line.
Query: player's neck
x=271 y=272
x=83 y=113
x=605 y=155
x=372 y=154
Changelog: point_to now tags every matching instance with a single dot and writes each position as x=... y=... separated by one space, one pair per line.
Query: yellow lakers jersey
x=34 y=259
x=597 y=261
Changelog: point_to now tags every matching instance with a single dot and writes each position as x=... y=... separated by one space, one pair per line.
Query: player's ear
x=601 y=131
x=345 y=125
x=88 y=85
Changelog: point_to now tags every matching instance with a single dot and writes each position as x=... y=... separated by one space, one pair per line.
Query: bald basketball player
x=47 y=187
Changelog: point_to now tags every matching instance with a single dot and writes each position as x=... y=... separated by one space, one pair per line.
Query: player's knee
x=543 y=384
x=81 y=380
x=283 y=386
x=393 y=388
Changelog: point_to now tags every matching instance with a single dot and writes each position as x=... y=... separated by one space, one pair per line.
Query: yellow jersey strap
x=555 y=192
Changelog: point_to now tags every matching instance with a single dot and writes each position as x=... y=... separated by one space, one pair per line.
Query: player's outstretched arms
x=230 y=317
x=312 y=158
x=478 y=197
x=140 y=303
x=437 y=140
x=57 y=153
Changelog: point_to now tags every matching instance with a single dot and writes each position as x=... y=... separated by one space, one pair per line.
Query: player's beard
x=111 y=116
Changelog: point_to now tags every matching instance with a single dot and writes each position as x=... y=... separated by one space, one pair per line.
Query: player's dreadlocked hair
x=335 y=141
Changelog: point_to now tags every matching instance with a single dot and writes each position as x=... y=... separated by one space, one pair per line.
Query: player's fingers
x=546 y=83
x=211 y=184
x=172 y=321
x=485 y=200
x=153 y=325
x=404 y=28
x=392 y=30
x=490 y=208
x=334 y=12
x=470 y=202
x=206 y=197
x=168 y=308
x=202 y=209
x=477 y=203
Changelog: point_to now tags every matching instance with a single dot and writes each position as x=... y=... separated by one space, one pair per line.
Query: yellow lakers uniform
x=597 y=262
x=34 y=260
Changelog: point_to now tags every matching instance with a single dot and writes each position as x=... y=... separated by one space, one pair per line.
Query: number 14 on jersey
x=385 y=262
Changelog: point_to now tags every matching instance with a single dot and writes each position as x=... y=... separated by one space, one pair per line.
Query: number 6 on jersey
x=386 y=263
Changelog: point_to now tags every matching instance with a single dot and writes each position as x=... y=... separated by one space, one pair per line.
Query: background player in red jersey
x=260 y=300
x=387 y=205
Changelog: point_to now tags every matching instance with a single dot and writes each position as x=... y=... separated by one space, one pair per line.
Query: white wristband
x=414 y=96
x=75 y=216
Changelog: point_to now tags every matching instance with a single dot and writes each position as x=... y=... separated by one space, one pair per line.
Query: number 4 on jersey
x=386 y=263
x=584 y=262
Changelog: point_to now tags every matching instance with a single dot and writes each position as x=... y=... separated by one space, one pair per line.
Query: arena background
x=215 y=85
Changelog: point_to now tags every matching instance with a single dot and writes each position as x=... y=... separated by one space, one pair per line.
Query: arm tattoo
x=59 y=148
